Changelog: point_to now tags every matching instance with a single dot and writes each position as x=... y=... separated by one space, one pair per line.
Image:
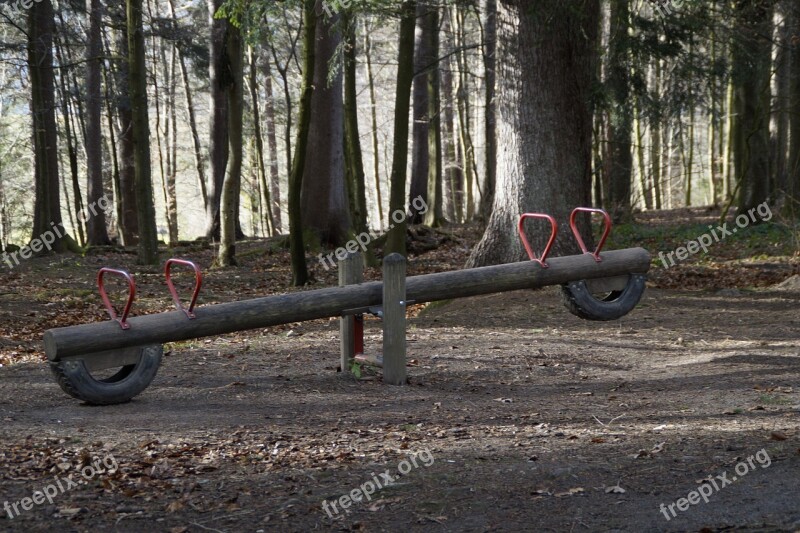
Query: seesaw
x=111 y=362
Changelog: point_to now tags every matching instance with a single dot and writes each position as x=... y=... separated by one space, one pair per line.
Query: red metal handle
x=526 y=244
x=606 y=231
x=131 y=295
x=198 y=282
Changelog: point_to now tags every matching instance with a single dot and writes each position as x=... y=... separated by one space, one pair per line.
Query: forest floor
x=518 y=416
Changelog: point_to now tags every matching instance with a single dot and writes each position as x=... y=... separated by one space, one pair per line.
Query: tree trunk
x=489 y=17
x=793 y=170
x=354 y=162
x=272 y=142
x=148 y=238
x=95 y=224
x=127 y=219
x=373 y=106
x=261 y=171
x=187 y=91
x=233 y=175
x=396 y=239
x=72 y=147
x=434 y=216
x=545 y=122
x=47 y=200
x=297 y=248
x=324 y=203
x=219 y=86
x=424 y=58
x=620 y=113
x=454 y=162
x=464 y=113
x=751 y=72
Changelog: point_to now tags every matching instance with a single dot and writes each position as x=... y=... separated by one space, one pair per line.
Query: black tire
x=609 y=306
x=75 y=379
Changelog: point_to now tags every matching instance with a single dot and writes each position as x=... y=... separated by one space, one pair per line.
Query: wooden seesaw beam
x=225 y=318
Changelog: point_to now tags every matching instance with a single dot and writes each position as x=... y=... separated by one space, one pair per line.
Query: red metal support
x=577 y=234
x=109 y=307
x=358 y=337
x=526 y=244
x=198 y=282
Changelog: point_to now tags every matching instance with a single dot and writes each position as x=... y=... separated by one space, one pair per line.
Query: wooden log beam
x=322 y=303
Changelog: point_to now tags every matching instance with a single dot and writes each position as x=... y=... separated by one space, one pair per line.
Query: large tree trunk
x=146 y=215
x=95 y=224
x=546 y=58
x=751 y=72
x=47 y=200
x=396 y=239
x=233 y=175
x=324 y=202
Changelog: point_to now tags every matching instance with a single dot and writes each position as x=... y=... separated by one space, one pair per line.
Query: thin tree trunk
x=489 y=17
x=373 y=105
x=272 y=142
x=261 y=171
x=354 y=162
x=128 y=208
x=220 y=86
x=464 y=114
x=187 y=91
x=434 y=216
x=148 y=238
x=233 y=176
x=423 y=59
x=396 y=239
x=95 y=224
x=620 y=113
x=297 y=248
x=72 y=150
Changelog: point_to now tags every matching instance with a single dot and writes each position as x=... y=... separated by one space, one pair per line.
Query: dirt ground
x=518 y=415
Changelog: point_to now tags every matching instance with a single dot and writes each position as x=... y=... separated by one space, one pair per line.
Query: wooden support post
x=394 y=319
x=351 y=272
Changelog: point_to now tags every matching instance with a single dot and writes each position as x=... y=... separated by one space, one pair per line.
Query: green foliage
x=355 y=368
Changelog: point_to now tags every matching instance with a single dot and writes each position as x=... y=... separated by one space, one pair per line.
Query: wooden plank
x=322 y=303
x=394 y=319
x=351 y=272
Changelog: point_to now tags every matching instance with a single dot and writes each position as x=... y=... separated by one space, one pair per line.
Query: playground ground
x=518 y=415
